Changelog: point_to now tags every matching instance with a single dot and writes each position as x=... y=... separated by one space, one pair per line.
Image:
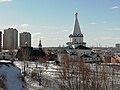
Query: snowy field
x=11 y=76
x=43 y=76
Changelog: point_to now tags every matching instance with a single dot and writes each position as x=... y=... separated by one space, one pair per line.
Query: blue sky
x=52 y=20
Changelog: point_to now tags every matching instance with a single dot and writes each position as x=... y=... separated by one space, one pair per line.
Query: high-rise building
x=25 y=37
x=117 y=46
x=0 y=41
x=10 y=39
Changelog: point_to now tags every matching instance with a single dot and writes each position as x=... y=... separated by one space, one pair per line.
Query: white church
x=76 y=47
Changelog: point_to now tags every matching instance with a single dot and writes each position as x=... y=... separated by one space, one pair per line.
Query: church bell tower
x=76 y=37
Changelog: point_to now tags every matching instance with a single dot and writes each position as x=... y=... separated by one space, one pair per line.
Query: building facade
x=76 y=49
x=76 y=37
x=25 y=37
x=76 y=43
x=117 y=46
x=30 y=53
x=0 y=41
x=10 y=39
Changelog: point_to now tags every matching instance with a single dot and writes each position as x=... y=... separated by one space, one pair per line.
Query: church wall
x=82 y=52
x=77 y=39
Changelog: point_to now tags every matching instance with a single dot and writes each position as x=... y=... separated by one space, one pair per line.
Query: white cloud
x=19 y=27
x=9 y=26
x=106 y=38
x=117 y=29
x=92 y=23
x=36 y=34
x=6 y=0
x=24 y=25
x=115 y=7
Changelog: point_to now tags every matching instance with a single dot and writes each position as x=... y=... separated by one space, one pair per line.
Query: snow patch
x=11 y=76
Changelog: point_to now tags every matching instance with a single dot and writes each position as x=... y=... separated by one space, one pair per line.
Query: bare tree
x=77 y=75
x=12 y=54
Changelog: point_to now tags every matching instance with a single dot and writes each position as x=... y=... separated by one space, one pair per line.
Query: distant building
x=117 y=46
x=0 y=41
x=76 y=48
x=76 y=43
x=25 y=37
x=10 y=39
x=76 y=38
x=30 y=53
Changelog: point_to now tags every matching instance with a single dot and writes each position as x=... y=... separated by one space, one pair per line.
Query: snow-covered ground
x=42 y=76
x=45 y=75
x=11 y=76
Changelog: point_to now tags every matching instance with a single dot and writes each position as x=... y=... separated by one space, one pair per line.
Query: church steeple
x=76 y=27
x=76 y=38
x=40 y=45
x=76 y=14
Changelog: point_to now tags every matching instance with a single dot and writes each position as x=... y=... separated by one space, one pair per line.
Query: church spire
x=76 y=14
x=76 y=38
x=76 y=27
x=40 y=45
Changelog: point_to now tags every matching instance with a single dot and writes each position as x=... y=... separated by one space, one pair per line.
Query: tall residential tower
x=0 y=41
x=10 y=39
x=25 y=37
